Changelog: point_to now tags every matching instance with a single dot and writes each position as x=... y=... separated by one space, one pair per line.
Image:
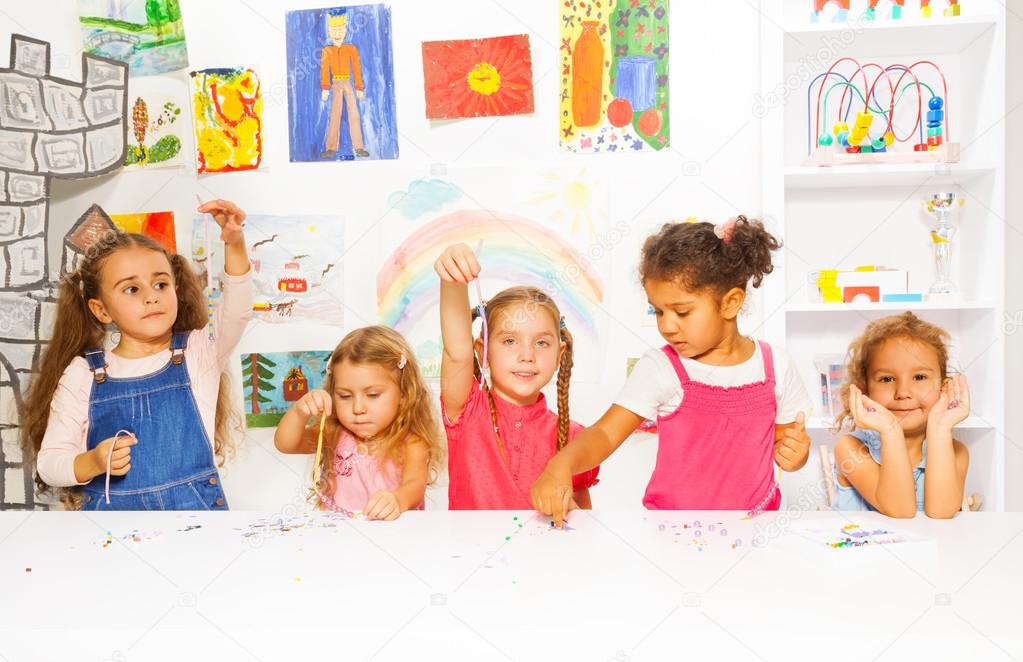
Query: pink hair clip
x=402 y=361
x=724 y=231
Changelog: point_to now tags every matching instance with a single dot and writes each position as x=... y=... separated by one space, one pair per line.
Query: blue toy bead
x=935 y=115
x=825 y=140
x=935 y=103
x=843 y=138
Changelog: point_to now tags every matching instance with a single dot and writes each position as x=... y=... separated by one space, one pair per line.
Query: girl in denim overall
x=138 y=427
x=728 y=408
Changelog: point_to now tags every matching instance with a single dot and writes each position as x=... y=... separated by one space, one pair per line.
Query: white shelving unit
x=841 y=217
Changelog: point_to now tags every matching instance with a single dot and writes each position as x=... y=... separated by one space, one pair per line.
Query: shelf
x=819 y=423
x=907 y=36
x=909 y=174
x=888 y=306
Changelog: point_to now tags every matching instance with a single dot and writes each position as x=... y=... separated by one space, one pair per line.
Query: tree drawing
x=258 y=379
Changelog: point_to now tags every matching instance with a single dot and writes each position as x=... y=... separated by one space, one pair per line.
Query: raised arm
x=888 y=486
x=457 y=266
x=947 y=459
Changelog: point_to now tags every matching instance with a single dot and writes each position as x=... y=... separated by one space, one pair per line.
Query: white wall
x=715 y=136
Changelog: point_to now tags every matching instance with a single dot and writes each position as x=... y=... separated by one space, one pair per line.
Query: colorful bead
x=889 y=138
x=935 y=103
x=920 y=147
x=825 y=140
x=935 y=116
x=843 y=138
x=840 y=127
x=878 y=144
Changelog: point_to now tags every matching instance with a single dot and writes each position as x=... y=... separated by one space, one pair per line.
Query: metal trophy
x=941 y=206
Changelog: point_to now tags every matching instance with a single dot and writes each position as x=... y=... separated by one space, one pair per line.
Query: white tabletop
x=618 y=586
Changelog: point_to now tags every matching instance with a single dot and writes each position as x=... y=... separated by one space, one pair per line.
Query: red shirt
x=478 y=477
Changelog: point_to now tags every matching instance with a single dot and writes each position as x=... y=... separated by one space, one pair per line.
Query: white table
x=476 y=586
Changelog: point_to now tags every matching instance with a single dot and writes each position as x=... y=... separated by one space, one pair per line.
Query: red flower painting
x=478 y=77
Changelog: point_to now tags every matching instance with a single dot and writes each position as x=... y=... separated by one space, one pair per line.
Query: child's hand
x=868 y=414
x=314 y=403
x=229 y=216
x=552 y=493
x=324 y=94
x=382 y=505
x=953 y=405
x=120 y=460
x=792 y=445
x=458 y=264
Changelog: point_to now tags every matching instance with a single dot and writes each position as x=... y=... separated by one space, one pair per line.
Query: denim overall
x=172 y=463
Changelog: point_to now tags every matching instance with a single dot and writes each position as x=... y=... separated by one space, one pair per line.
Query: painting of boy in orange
x=341 y=82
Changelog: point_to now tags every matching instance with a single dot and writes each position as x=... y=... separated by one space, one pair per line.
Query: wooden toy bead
x=878 y=144
x=825 y=140
x=935 y=103
x=866 y=149
x=933 y=131
x=920 y=147
x=843 y=138
x=933 y=141
x=863 y=120
x=855 y=149
x=889 y=138
x=840 y=127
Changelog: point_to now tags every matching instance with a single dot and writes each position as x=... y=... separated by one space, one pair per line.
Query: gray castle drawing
x=49 y=128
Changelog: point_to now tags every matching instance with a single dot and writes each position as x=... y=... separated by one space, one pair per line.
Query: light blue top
x=847 y=498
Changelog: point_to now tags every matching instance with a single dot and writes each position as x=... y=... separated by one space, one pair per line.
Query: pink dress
x=479 y=478
x=358 y=476
x=716 y=451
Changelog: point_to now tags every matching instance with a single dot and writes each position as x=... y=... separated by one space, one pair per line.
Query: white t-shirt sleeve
x=789 y=389
x=651 y=384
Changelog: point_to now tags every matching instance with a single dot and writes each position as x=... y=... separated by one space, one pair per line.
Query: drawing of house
x=88 y=230
x=295 y=385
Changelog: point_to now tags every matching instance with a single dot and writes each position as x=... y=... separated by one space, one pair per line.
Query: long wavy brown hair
x=416 y=421
x=76 y=329
x=905 y=325
x=532 y=299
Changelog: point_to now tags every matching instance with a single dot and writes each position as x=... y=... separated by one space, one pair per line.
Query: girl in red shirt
x=500 y=432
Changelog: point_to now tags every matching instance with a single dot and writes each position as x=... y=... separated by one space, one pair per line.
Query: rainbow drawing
x=515 y=251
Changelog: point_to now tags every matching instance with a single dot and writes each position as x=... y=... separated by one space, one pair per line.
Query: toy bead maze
x=951 y=9
x=869 y=113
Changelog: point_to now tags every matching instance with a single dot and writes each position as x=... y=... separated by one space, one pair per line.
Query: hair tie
x=561 y=323
x=402 y=361
x=724 y=231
